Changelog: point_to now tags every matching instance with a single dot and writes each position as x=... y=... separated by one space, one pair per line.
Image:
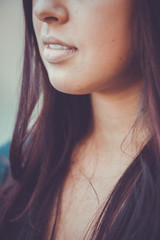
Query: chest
x=81 y=203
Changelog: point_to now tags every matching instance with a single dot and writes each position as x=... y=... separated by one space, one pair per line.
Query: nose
x=50 y=11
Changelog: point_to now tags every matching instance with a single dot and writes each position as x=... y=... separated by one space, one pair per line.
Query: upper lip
x=51 y=40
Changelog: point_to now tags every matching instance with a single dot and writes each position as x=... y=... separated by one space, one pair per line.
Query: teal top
x=4 y=162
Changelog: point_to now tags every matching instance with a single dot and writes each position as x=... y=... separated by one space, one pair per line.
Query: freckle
x=113 y=40
x=120 y=58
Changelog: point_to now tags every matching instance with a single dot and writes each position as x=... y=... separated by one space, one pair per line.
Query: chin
x=70 y=90
x=68 y=87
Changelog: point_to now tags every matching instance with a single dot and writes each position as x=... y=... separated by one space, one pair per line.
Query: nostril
x=51 y=19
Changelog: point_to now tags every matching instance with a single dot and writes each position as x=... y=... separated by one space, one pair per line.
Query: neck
x=115 y=114
x=113 y=118
x=113 y=142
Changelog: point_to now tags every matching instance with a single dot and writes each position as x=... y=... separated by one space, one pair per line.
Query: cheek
x=108 y=55
x=38 y=28
x=106 y=39
x=36 y=25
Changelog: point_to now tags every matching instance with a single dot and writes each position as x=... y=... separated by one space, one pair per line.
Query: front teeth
x=59 y=47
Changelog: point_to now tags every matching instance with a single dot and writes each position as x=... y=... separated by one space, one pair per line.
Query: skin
x=101 y=30
x=104 y=66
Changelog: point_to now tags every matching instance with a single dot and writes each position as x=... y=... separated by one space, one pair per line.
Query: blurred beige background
x=11 y=58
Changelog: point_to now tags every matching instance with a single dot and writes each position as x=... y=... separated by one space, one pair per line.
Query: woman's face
x=86 y=45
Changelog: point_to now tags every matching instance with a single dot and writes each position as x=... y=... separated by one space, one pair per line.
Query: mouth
x=56 y=51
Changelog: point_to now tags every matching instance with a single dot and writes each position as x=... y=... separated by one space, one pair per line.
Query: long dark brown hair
x=40 y=156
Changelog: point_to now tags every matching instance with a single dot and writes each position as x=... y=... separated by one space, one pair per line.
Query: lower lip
x=58 y=55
